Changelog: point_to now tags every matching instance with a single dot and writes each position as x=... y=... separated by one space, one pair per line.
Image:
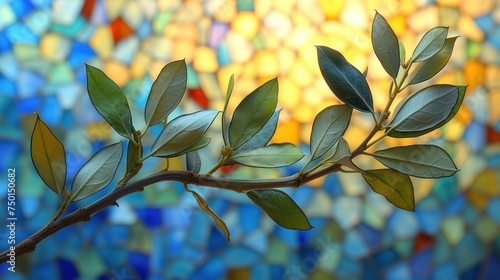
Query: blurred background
x=161 y=233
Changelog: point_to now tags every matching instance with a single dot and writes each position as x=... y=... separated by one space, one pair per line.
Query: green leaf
x=166 y=93
x=430 y=44
x=328 y=126
x=425 y=111
x=261 y=138
x=97 y=172
x=430 y=67
x=193 y=162
x=225 y=128
x=110 y=101
x=402 y=52
x=346 y=82
x=48 y=156
x=202 y=143
x=342 y=150
x=386 y=45
x=424 y=161
x=204 y=206
x=281 y=208
x=134 y=153
x=253 y=113
x=182 y=133
x=394 y=186
x=274 y=155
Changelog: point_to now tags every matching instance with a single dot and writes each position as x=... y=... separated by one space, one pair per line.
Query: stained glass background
x=160 y=233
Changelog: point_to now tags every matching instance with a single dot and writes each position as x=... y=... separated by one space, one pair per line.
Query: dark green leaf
x=430 y=67
x=134 y=153
x=110 y=101
x=193 y=162
x=261 y=138
x=281 y=208
x=204 y=206
x=394 y=186
x=329 y=125
x=346 y=82
x=253 y=113
x=97 y=172
x=430 y=44
x=386 y=45
x=48 y=156
x=225 y=128
x=274 y=155
x=425 y=111
x=425 y=161
x=166 y=93
x=182 y=133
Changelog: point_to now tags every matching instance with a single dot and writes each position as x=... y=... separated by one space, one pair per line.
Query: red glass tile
x=120 y=29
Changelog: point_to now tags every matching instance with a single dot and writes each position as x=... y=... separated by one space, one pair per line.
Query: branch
x=83 y=214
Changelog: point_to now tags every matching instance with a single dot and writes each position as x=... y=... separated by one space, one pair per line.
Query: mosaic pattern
x=160 y=234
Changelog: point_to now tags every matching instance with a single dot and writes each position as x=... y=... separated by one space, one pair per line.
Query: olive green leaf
x=193 y=162
x=166 y=93
x=425 y=161
x=274 y=155
x=394 y=186
x=225 y=128
x=48 y=156
x=202 y=143
x=430 y=67
x=97 y=172
x=204 y=206
x=386 y=45
x=261 y=138
x=182 y=133
x=430 y=44
x=425 y=111
x=281 y=208
x=110 y=101
x=346 y=82
x=134 y=153
x=328 y=126
x=253 y=113
x=402 y=52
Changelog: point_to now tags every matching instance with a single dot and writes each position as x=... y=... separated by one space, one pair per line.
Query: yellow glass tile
x=246 y=24
x=303 y=113
x=422 y=187
x=117 y=72
x=375 y=69
x=166 y=4
x=493 y=111
x=287 y=131
x=300 y=74
x=448 y=16
x=477 y=8
x=311 y=10
x=489 y=54
x=54 y=47
x=354 y=15
x=423 y=20
x=485 y=182
x=133 y=14
x=479 y=201
x=98 y=131
x=299 y=38
x=454 y=130
x=222 y=10
x=158 y=47
x=114 y=8
x=240 y=48
x=496 y=14
x=154 y=68
x=454 y=77
x=225 y=72
x=186 y=31
x=311 y=98
x=285 y=57
x=285 y=7
x=266 y=63
x=309 y=57
x=182 y=49
x=474 y=73
x=299 y=20
x=452 y=3
x=407 y=7
x=289 y=94
x=398 y=24
x=332 y=9
x=205 y=60
x=190 y=11
x=278 y=23
x=262 y=7
x=102 y=42
x=139 y=65
x=468 y=28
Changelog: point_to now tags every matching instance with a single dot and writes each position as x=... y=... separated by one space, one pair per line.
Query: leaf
x=204 y=206
x=394 y=186
x=202 y=143
x=430 y=44
x=274 y=155
x=225 y=128
x=253 y=113
x=430 y=67
x=281 y=208
x=166 y=93
x=97 y=172
x=402 y=52
x=110 y=101
x=193 y=162
x=328 y=126
x=342 y=150
x=182 y=133
x=48 y=156
x=425 y=111
x=261 y=138
x=134 y=153
x=424 y=161
x=346 y=82
x=386 y=45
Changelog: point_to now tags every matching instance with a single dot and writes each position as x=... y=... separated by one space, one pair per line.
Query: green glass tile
x=468 y=252
x=319 y=205
x=473 y=49
x=26 y=53
x=404 y=247
x=441 y=252
x=485 y=230
x=329 y=258
x=245 y=5
x=70 y=30
x=320 y=275
x=470 y=214
x=257 y=42
x=453 y=228
x=278 y=252
x=161 y=20
x=140 y=238
x=89 y=264
x=372 y=217
x=448 y=16
x=161 y=195
x=61 y=73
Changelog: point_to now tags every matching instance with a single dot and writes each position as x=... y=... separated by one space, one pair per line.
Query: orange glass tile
x=474 y=73
x=287 y=131
x=199 y=97
x=120 y=29
x=87 y=9
x=422 y=242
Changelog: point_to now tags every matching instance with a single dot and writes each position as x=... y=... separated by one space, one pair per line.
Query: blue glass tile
x=10 y=150
x=29 y=105
x=126 y=49
x=8 y=87
x=140 y=262
x=238 y=256
x=144 y=30
x=455 y=205
x=486 y=22
x=257 y=241
x=403 y=224
x=213 y=269
x=9 y=66
x=430 y=220
x=492 y=266
x=385 y=258
x=50 y=111
x=112 y=235
x=475 y=136
x=472 y=273
x=308 y=236
x=354 y=244
x=249 y=216
x=113 y=256
x=43 y=270
x=347 y=211
x=5 y=44
x=174 y=241
x=39 y=21
x=445 y=188
x=18 y=33
x=223 y=54
x=421 y=264
x=302 y=195
x=67 y=270
x=494 y=38
x=400 y=271
x=42 y=3
x=79 y=53
x=179 y=269
x=290 y=237
x=332 y=185
x=493 y=209
x=21 y=7
x=470 y=247
x=176 y=216
x=217 y=239
x=348 y=266
x=199 y=231
x=150 y=216
x=372 y=236
x=260 y=271
x=29 y=84
x=370 y=271
x=446 y=270
x=99 y=15
x=29 y=205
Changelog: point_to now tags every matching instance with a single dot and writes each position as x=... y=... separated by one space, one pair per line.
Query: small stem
x=226 y=153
